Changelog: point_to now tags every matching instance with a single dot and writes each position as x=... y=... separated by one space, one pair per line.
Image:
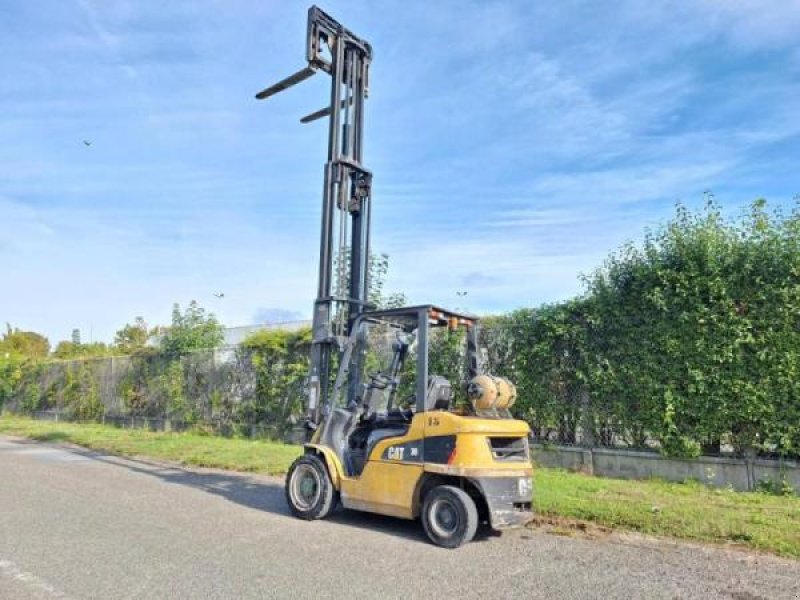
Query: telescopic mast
x=346 y=198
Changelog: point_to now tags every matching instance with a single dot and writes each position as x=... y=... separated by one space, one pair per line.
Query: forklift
x=385 y=435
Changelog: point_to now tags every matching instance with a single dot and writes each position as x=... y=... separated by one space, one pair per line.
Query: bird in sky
x=219 y=294
x=87 y=143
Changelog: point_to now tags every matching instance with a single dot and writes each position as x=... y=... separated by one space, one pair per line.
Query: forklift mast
x=346 y=198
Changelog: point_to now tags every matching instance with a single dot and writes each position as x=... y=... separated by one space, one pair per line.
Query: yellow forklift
x=386 y=435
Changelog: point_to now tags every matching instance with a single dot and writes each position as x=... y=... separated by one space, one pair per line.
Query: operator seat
x=438 y=397
x=440 y=393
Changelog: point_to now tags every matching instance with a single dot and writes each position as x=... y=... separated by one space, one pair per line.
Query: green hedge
x=688 y=342
x=690 y=339
x=255 y=387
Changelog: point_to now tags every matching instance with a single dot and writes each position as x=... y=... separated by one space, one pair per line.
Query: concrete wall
x=739 y=473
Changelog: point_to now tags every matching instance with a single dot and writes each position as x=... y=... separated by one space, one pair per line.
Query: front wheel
x=449 y=516
x=309 y=490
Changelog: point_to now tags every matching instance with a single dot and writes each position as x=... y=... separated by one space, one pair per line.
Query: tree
x=28 y=344
x=193 y=329
x=378 y=269
x=132 y=337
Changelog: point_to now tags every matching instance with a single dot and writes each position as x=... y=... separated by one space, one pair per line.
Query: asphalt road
x=77 y=524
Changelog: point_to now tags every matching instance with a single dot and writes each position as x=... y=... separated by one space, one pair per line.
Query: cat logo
x=396 y=453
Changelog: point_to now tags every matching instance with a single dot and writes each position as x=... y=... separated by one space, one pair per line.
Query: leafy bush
x=11 y=372
x=30 y=344
x=691 y=338
x=71 y=350
x=281 y=362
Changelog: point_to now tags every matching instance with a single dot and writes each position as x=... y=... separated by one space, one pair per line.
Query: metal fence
x=217 y=389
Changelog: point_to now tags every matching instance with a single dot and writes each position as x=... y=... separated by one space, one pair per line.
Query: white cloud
x=278 y=315
x=108 y=39
x=513 y=145
x=751 y=23
x=22 y=227
x=613 y=187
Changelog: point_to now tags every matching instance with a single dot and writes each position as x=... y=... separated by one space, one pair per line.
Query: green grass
x=681 y=510
x=237 y=454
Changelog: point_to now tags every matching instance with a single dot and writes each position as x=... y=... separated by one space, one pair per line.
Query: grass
x=239 y=454
x=680 y=510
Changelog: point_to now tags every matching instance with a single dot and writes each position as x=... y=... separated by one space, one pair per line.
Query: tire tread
x=470 y=516
x=327 y=496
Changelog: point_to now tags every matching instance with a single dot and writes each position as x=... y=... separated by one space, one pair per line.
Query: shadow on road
x=55 y=437
x=259 y=494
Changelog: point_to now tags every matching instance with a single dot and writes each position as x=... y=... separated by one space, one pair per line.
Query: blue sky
x=514 y=144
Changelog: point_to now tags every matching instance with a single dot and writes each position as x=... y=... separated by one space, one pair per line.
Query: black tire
x=449 y=516
x=309 y=490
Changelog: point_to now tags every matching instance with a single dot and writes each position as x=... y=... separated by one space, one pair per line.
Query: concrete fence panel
x=743 y=474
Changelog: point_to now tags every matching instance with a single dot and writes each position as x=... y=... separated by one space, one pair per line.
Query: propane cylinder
x=482 y=392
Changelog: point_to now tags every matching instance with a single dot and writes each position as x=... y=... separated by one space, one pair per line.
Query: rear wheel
x=309 y=490
x=449 y=516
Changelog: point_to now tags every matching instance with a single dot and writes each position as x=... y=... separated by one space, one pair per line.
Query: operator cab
x=383 y=380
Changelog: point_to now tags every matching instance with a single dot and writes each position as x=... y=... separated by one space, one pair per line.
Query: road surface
x=79 y=524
